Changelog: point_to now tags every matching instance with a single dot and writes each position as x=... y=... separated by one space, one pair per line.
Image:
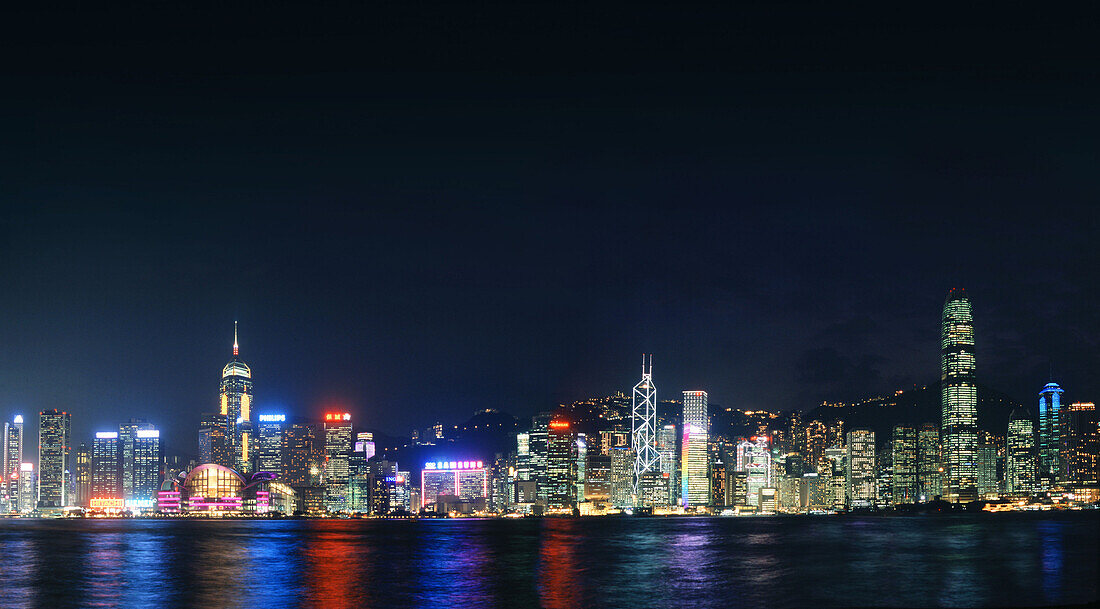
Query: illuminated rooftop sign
x=272 y=418
x=453 y=465
x=338 y=417
x=107 y=435
x=26 y=467
x=559 y=424
x=18 y=418
x=148 y=433
x=106 y=503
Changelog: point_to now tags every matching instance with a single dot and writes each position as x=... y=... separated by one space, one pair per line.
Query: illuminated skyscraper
x=236 y=407
x=884 y=475
x=1020 y=453
x=754 y=458
x=54 y=446
x=904 y=475
x=666 y=447
x=987 y=464
x=643 y=438
x=523 y=456
x=127 y=432
x=929 y=468
x=270 y=443
x=860 y=478
x=580 y=467
x=1081 y=444
x=815 y=442
x=537 y=449
x=27 y=485
x=106 y=477
x=959 y=400
x=82 y=475
x=337 y=453
x=694 y=477
x=622 y=474
x=11 y=459
x=298 y=448
x=214 y=439
x=1050 y=434
x=560 y=462
x=146 y=467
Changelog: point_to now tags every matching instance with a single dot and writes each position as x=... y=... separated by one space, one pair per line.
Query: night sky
x=417 y=211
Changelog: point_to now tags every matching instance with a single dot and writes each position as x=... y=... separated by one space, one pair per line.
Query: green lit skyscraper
x=959 y=400
x=904 y=457
x=1020 y=454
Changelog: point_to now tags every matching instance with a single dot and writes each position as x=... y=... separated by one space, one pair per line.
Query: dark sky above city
x=417 y=211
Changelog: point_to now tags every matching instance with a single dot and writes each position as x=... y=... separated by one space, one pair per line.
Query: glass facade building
x=904 y=476
x=1081 y=444
x=270 y=443
x=754 y=458
x=959 y=400
x=146 y=467
x=11 y=457
x=860 y=472
x=106 y=477
x=560 y=465
x=54 y=446
x=1020 y=454
x=337 y=454
x=298 y=443
x=236 y=406
x=127 y=433
x=929 y=468
x=1050 y=434
x=695 y=479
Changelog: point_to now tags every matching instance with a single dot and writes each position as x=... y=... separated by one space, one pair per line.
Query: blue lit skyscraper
x=959 y=400
x=1050 y=433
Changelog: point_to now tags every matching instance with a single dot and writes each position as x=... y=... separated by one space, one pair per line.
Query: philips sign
x=272 y=418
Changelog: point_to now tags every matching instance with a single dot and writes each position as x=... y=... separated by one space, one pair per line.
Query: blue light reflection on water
x=974 y=560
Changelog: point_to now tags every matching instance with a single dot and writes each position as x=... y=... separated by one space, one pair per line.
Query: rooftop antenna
x=235 y=348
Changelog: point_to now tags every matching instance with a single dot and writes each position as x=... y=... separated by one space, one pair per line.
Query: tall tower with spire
x=643 y=438
x=959 y=399
x=236 y=406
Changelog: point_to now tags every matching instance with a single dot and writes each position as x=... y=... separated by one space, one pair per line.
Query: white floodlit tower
x=644 y=428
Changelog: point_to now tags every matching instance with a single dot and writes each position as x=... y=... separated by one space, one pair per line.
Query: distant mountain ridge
x=914 y=407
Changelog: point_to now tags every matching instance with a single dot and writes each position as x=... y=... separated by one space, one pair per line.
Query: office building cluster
x=607 y=455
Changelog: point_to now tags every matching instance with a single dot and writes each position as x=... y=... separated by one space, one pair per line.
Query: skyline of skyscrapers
x=552 y=466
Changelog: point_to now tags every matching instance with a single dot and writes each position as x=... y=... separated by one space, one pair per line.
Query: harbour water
x=997 y=560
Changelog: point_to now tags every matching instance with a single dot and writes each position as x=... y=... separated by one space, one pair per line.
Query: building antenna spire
x=235 y=348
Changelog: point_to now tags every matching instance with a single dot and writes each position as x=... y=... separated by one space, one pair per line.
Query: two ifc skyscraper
x=959 y=400
x=236 y=407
